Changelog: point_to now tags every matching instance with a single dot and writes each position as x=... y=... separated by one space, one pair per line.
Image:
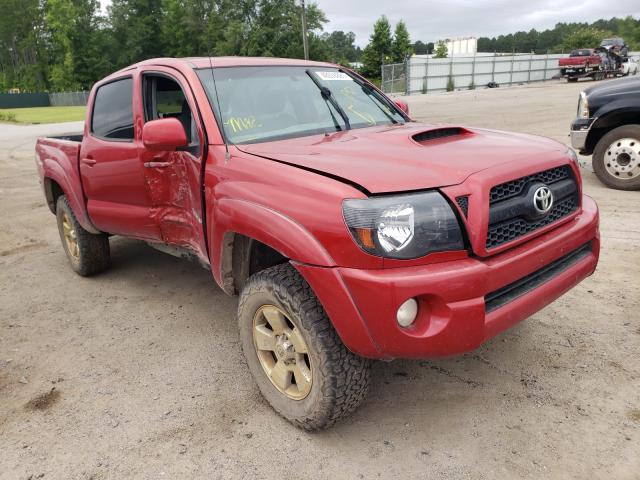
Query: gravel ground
x=137 y=373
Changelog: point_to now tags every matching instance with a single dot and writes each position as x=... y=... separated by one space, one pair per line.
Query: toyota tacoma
x=349 y=231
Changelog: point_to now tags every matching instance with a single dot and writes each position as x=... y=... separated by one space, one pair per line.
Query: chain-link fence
x=427 y=75
x=394 y=78
x=67 y=99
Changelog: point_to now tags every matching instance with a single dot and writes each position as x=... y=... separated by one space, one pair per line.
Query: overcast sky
x=429 y=20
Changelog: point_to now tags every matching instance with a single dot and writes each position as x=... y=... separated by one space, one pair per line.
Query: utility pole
x=305 y=40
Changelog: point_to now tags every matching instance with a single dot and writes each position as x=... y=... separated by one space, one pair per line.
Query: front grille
x=515 y=187
x=508 y=293
x=511 y=209
x=463 y=203
x=512 y=229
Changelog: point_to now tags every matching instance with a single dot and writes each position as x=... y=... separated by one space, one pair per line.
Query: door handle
x=157 y=164
x=89 y=162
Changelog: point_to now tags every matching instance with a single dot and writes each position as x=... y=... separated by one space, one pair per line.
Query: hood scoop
x=438 y=133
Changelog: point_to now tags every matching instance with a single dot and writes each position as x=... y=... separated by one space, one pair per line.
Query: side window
x=164 y=98
x=112 y=117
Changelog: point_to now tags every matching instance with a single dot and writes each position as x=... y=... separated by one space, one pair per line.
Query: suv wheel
x=616 y=158
x=293 y=352
x=87 y=253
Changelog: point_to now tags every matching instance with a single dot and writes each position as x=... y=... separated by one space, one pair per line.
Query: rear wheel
x=616 y=158
x=293 y=352
x=88 y=254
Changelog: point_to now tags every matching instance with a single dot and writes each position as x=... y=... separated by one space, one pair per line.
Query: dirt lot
x=137 y=373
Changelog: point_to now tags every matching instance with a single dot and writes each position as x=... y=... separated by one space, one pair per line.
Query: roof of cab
x=203 y=62
x=206 y=62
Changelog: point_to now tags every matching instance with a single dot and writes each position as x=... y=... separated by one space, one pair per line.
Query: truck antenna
x=227 y=155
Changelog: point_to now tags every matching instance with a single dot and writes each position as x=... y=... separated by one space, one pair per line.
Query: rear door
x=113 y=178
x=174 y=178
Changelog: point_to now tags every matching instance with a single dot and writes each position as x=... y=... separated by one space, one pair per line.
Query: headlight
x=583 y=106
x=403 y=226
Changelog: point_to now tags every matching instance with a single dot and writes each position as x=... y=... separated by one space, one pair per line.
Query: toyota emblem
x=543 y=199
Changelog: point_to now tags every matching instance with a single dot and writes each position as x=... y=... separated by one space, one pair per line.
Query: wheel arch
x=60 y=176
x=607 y=121
x=248 y=237
x=52 y=191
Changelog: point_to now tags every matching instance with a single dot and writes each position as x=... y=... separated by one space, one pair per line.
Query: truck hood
x=405 y=157
x=611 y=88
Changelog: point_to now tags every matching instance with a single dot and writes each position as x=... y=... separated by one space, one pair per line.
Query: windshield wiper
x=328 y=96
x=336 y=124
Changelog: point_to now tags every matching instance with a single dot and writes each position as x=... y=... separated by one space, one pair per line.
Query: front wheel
x=293 y=352
x=616 y=158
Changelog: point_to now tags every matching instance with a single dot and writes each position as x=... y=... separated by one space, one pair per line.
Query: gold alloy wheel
x=282 y=352
x=70 y=236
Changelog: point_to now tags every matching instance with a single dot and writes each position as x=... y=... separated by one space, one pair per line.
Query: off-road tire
x=93 y=250
x=340 y=378
x=599 y=161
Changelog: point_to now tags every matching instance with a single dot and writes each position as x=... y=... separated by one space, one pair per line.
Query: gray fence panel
x=68 y=99
x=432 y=74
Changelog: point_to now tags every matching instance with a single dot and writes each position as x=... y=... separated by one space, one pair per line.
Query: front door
x=173 y=179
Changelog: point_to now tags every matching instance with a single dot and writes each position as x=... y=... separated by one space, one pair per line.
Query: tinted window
x=165 y=99
x=580 y=53
x=113 y=111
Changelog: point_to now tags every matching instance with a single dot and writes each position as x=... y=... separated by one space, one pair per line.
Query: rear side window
x=113 y=111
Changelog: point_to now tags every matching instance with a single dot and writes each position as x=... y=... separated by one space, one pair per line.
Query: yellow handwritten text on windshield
x=242 y=124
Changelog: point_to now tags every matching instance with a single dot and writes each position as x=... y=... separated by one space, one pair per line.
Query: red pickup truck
x=581 y=62
x=349 y=231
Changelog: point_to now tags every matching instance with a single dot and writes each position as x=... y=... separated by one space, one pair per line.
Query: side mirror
x=402 y=106
x=165 y=134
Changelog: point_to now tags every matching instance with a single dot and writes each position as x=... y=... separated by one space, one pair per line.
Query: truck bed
x=72 y=137
x=57 y=161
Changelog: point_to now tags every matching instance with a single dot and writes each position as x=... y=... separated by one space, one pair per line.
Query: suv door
x=113 y=177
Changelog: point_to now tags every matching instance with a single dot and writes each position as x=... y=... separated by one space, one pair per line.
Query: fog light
x=407 y=312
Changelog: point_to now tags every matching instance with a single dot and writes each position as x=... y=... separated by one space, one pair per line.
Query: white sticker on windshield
x=333 y=75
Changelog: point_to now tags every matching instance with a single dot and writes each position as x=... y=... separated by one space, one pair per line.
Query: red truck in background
x=580 y=63
x=349 y=231
x=609 y=59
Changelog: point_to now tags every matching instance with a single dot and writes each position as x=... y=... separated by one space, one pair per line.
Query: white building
x=462 y=46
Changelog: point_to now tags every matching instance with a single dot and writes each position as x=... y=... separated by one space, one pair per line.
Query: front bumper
x=455 y=315
x=580 y=129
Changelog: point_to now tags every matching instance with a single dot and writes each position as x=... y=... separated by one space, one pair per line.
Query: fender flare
x=261 y=223
x=606 y=121
x=53 y=171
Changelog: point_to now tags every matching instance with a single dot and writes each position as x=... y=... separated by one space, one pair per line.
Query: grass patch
x=7 y=117
x=42 y=114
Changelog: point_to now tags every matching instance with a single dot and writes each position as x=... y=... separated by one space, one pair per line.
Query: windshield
x=580 y=53
x=259 y=104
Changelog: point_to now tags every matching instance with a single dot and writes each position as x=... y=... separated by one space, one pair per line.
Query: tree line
x=63 y=45
x=565 y=37
x=385 y=48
